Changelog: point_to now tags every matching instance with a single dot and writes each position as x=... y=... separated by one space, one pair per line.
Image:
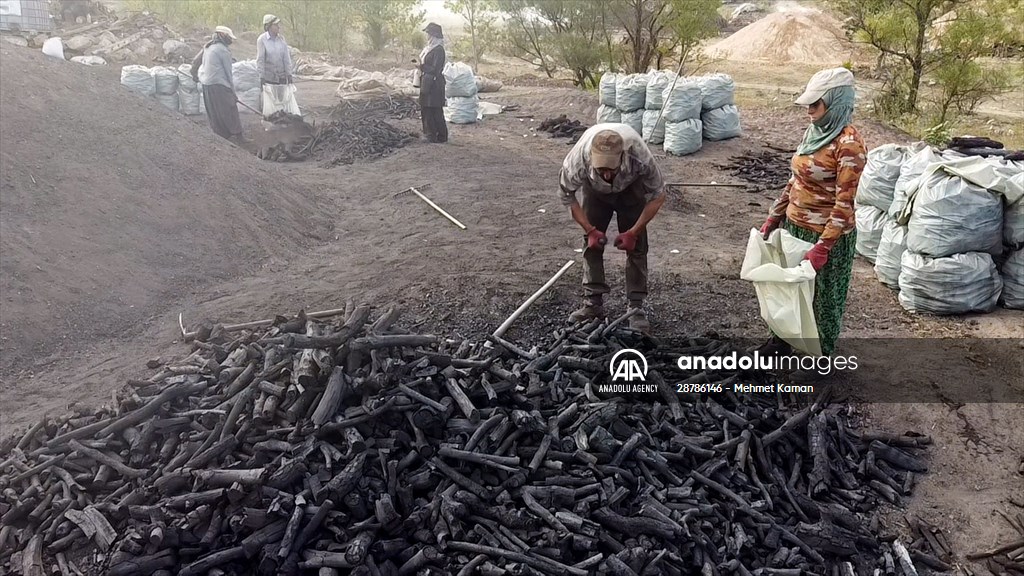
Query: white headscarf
x=432 y=42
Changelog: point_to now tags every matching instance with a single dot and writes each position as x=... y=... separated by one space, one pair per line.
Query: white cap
x=226 y=31
x=270 y=19
x=822 y=82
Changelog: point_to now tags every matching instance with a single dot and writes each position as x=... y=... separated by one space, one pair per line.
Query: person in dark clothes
x=431 y=64
x=212 y=68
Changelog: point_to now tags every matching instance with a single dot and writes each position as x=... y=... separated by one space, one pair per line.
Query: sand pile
x=113 y=207
x=791 y=36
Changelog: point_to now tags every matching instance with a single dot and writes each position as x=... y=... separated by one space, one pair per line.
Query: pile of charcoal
x=562 y=127
x=769 y=170
x=977 y=146
x=394 y=107
x=345 y=141
x=359 y=447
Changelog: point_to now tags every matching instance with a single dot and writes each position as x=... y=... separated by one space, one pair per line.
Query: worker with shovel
x=212 y=68
x=616 y=172
x=274 y=65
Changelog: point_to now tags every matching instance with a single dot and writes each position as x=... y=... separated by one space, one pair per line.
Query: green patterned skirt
x=831 y=285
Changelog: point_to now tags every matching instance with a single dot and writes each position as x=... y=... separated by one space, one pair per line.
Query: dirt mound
x=113 y=207
x=791 y=36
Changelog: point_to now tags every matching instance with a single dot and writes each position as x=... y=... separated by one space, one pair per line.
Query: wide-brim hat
x=823 y=82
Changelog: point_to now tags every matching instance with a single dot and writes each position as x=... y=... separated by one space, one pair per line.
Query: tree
x=915 y=38
x=962 y=82
x=383 y=20
x=656 y=28
x=899 y=30
x=479 y=16
x=527 y=34
x=692 y=22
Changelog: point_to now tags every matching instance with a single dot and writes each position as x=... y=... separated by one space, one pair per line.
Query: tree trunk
x=917 y=63
x=472 y=34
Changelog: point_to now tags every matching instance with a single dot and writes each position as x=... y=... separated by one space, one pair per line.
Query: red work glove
x=818 y=256
x=596 y=239
x=626 y=241
x=770 y=224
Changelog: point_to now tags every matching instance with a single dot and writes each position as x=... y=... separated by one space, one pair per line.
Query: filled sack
x=682 y=138
x=956 y=284
x=721 y=123
x=952 y=216
x=878 y=180
x=870 y=224
x=889 y=256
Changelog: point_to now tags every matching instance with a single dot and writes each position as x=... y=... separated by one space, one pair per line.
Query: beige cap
x=270 y=19
x=226 y=31
x=822 y=82
x=606 y=150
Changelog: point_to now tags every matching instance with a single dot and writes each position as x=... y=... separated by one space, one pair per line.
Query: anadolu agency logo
x=628 y=365
x=628 y=369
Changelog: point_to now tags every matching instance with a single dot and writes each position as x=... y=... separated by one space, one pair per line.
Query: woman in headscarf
x=274 y=65
x=212 y=69
x=432 y=84
x=817 y=204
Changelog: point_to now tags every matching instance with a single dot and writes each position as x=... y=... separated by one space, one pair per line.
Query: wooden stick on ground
x=435 y=207
x=519 y=311
x=704 y=185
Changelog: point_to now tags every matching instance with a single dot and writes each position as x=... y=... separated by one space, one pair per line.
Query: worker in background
x=212 y=68
x=274 y=65
x=616 y=173
x=432 y=84
x=817 y=204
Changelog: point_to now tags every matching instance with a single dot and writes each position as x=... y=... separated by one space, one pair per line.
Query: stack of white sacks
x=165 y=82
x=138 y=79
x=720 y=117
x=935 y=224
x=460 y=91
x=246 y=78
x=173 y=89
x=630 y=99
x=1013 y=241
x=658 y=83
x=677 y=112
x=683 y=127
x=190 y=94
x=606 y=111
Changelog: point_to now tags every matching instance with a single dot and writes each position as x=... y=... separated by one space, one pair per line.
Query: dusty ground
x=500 y=179
x=113 y=204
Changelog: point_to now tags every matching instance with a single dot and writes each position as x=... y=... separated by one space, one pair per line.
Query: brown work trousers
x=626 y=206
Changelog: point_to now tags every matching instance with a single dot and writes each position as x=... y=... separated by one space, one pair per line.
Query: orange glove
x=818 y=256
x=770 y=224
x=626 y=241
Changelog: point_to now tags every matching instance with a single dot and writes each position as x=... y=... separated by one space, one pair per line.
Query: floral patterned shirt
x=820 y=193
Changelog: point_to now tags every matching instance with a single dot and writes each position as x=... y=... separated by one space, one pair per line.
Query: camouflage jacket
x=820 y=193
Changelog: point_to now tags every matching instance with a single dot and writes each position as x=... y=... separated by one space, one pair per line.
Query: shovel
x=251 y=108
